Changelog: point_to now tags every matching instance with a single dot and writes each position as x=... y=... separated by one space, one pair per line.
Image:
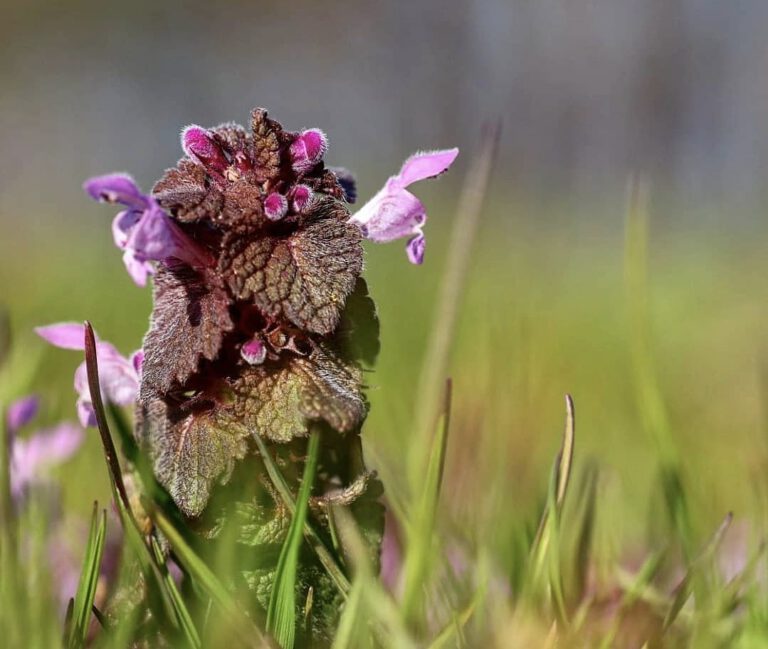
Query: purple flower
x=302 y=198
x=394 y=212
x=308 y=149
x=118 y=376
x=31 y=457
x=143 y=231
x=21 y=412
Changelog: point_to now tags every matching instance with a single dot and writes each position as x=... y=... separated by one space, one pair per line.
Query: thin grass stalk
x=435 y=363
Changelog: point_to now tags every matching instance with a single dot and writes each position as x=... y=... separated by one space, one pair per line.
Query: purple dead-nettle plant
x=260 y=332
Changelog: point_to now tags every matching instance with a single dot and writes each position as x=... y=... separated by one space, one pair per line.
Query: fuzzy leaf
x=191 y=450
x=357 y=336
x=305 y=276
x=188 y=323
x=279 y=402
x=186 y=193
x=268 y=136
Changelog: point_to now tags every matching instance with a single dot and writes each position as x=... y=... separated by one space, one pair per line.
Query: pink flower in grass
x=394 y=212
x=31 y=457
x=118 y=375
x=143 y=231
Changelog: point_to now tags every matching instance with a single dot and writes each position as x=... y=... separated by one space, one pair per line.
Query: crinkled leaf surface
x=189 y=321
x=191 y=450
x=304 y=276
x=278 y=402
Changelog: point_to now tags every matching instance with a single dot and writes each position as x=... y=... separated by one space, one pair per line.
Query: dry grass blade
x=470 y=209
x=110 y=453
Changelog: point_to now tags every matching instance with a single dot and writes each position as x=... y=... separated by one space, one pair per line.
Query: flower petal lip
x=424 y=165
x=21 y=412
x=116 y=188
x=415 y=249
x=65 y=335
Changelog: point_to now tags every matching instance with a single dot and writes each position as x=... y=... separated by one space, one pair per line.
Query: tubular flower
x=394 y=212
x=32 y=456
x=143 y=230
x=119 y=376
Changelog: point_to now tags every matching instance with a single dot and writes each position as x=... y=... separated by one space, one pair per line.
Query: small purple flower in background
x=143 y=230
x=394 y=212
x=32 y=456
x=199 y=145
x=119 y=376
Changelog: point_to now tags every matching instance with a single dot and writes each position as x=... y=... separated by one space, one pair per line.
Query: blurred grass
x=545 y=314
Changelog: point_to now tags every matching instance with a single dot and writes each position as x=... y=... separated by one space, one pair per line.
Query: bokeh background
x=590 y=91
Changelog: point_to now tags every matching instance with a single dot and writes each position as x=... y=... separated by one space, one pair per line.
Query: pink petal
x=199 y=144
x=66 y=335
x=390 y=215
x=31 y=457
x=253 y=352
x=427 y=164
x=415 y=249
x=115 y=188
x=308 y=149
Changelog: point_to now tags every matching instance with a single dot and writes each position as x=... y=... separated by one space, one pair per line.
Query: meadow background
x=590 y=92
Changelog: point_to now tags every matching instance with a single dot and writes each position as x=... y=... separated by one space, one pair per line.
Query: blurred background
x=590 y=91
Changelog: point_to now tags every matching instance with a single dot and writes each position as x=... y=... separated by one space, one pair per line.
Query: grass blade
x=89 y=577
x=92 y=366
x=246 y=631
x=434 y=367
x=330 y=564
x=281 y=616
x=184 y=617
x=421 y=530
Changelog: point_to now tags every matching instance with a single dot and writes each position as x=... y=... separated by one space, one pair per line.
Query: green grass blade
x=281 y=615
x=184 y=617
x=685 y=587
x=329 y=562
x=244 y=628
x=89 y=577
x=420 y=532
x=347 y=632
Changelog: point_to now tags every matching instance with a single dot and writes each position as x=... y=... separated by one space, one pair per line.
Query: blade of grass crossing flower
x=435 y=363
x=281 y=614
x=185 y=619
x=110 y=453
x=89 y=577
x=246 y=631
x=330 y=564
x=420 y=531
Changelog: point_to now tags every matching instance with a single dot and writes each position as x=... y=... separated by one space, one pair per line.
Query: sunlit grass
x=548 y=311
